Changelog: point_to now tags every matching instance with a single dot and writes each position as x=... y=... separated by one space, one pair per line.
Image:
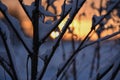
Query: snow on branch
x=51 y=26
x=27 y=9
x=5 y=35
x=99 y=19
x=69 y=21
x=16 y=28
x=45 y=13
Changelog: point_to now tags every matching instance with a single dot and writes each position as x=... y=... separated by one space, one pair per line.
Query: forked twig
x=59 y=39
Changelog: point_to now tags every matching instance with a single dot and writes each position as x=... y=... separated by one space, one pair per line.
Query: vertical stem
x=64 y=58
x=74 y=61
x=34 y=58
x=71 y=58
x=98 y=44
x=74 y=70
x=5 y=75
x=98 y=55
x=92 y=66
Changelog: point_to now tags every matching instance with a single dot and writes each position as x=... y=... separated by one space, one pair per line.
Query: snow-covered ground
x=108 y=50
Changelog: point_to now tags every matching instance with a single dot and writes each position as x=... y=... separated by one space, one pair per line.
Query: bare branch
x=70 y=60
x=72 y=15
x=101 y=39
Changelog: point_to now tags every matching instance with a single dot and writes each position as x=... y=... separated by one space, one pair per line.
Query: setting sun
x=80 y=28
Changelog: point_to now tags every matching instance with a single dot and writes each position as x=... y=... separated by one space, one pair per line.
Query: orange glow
x=27 y=28
x=80 y=29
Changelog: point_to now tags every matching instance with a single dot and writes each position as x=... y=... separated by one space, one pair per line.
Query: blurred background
x=85 y=64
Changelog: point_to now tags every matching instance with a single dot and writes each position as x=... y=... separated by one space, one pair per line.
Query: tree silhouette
x=45 y=20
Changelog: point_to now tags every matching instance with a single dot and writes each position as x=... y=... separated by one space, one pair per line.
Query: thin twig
x=3 y=64
x=27 y=67
x=64 y=58
x=74 y=61
x=6 y=69
x=92 y=66
x=59 y=39
x=55 y=26
x=5 y=75
x=101 y=39
x=9 y=54
x=2 y=59
x=116 y=70
x=71 y=58
x=69 y=61
x=97 y=49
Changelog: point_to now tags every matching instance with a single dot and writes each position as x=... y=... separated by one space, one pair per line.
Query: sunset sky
x=81 y=24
